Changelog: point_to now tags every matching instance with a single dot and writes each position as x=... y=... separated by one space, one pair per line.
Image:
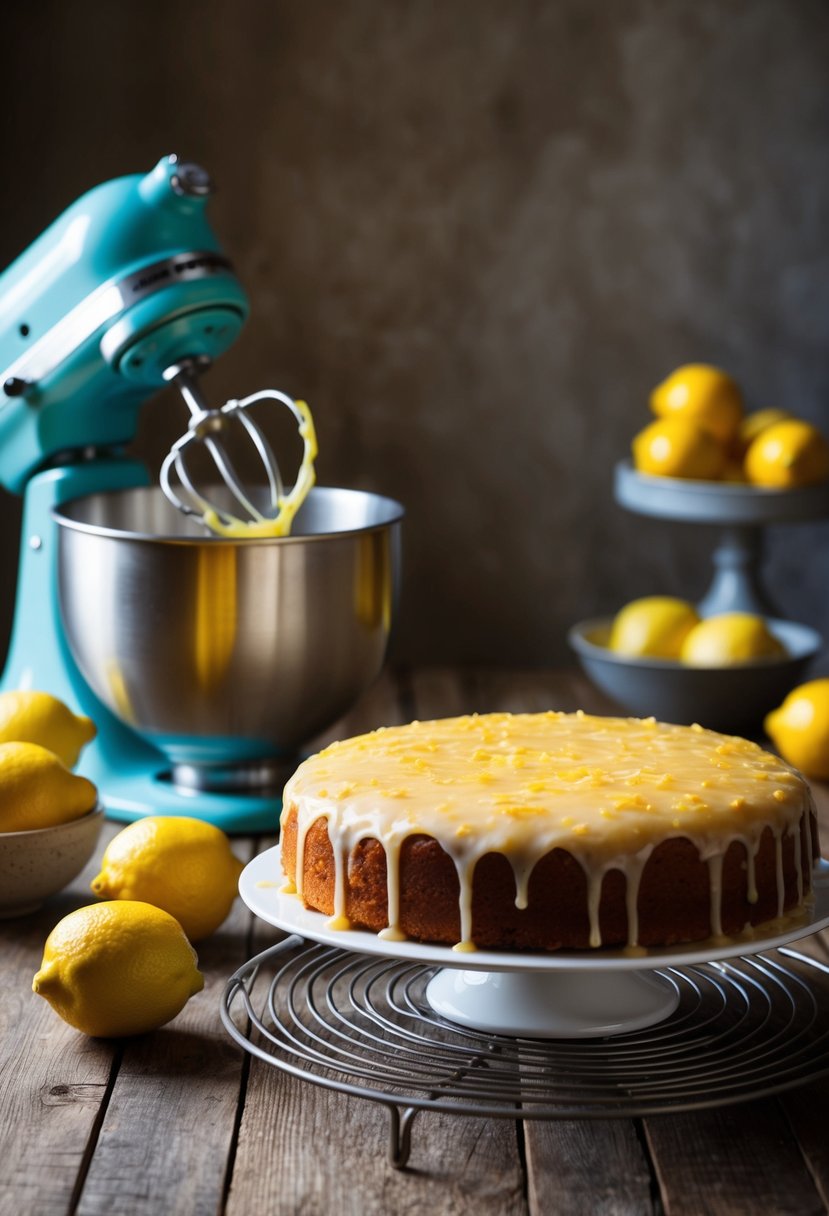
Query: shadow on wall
x=474 y=235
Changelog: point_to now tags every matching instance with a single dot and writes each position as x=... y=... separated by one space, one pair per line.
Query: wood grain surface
x=182 y=1121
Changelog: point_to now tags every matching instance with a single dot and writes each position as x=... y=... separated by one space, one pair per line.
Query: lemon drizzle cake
x=542 y=831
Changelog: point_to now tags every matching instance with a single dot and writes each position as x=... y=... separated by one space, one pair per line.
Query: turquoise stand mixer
x=127 y=291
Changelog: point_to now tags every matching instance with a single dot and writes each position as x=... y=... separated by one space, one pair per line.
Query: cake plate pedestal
x=560 y=995
x=418 y=1028
x=741 y=513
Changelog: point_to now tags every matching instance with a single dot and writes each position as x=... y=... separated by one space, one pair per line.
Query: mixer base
x=264 y=778
x=130 y=796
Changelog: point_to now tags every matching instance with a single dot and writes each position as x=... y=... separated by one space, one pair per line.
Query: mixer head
x=126 y=291
x=129 y=281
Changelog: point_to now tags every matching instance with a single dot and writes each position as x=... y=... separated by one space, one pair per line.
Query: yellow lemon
x=799 y=728
x=727 y=638
x=678 y=447
x=117 y=969
x=28 y=716
x=37 y=791
x=655 y=626
x=788 y=454
x=184 y=866
x=703 y=394
x=754 y=424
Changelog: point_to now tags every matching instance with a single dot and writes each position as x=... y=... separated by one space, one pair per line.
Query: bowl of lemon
x=658 y=656
x=702 y=432
x=50 y=818
x=704 y=459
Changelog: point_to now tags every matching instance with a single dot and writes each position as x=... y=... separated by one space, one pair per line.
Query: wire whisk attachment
x=208 y=428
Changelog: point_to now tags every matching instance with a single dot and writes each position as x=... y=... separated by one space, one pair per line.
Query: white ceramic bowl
x=37 y=864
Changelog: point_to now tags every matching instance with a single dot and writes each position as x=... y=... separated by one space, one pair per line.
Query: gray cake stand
x=741 y=512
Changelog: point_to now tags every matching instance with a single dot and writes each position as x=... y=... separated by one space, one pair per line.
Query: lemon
x=184 y=866
x=703 y=394
x=727 y=638
x=37 y=791
x=117 y=969
x=37 y=717
x=678 y=447
x=754 y=424
x=655 y=626
x=788 y=454
x=799 y=728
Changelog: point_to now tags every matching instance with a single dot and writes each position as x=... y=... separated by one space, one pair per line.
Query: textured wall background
x=475 y=233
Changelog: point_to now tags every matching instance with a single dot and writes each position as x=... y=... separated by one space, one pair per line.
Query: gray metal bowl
x=221 y=650
x=734 y=699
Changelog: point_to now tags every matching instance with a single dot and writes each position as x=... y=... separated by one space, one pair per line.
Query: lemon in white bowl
x=38 y=791
x=30 y=716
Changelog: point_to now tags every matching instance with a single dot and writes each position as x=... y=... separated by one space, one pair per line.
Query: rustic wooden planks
x=536 y=692
x=303 y=1149
x=92 y=1125
x=739 y=1159
x=181 y=1121
x=573 y=1167
x=299 y=1145
x=441 y=693
x=587 y=1168
x=52 y=1079
x=170 y=1123
x=807 y=1113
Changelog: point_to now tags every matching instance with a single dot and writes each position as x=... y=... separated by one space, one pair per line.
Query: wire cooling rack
x=743 y=1028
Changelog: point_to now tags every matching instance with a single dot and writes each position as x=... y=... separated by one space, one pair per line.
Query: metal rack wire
x=743 y=1029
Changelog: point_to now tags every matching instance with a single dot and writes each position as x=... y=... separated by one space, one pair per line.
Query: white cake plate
x=571 y=994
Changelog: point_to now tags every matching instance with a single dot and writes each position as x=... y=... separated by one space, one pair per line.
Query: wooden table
x=182 y=1121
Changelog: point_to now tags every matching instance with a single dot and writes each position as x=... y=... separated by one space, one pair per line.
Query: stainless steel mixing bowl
x=224 y=651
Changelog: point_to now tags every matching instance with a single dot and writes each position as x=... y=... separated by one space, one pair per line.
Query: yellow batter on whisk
x=289 y=504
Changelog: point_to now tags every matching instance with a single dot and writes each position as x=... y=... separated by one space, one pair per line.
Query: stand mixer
x=205 y=662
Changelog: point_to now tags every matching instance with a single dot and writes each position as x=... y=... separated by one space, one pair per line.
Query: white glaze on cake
x=608 y=790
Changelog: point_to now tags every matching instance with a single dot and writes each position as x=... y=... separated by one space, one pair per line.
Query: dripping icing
x=634 y=869
x=340 y=920
x=492 y=788
x=798 y=863
x=715 y=863
x=752 y=849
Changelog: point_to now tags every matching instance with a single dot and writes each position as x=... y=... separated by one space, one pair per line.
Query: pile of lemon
x=125 y=965
x=40 y=742
x=669 y=628
x=703 y=433
x=665 y=627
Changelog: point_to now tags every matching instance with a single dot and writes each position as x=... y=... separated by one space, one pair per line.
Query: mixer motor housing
x=129 y=280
